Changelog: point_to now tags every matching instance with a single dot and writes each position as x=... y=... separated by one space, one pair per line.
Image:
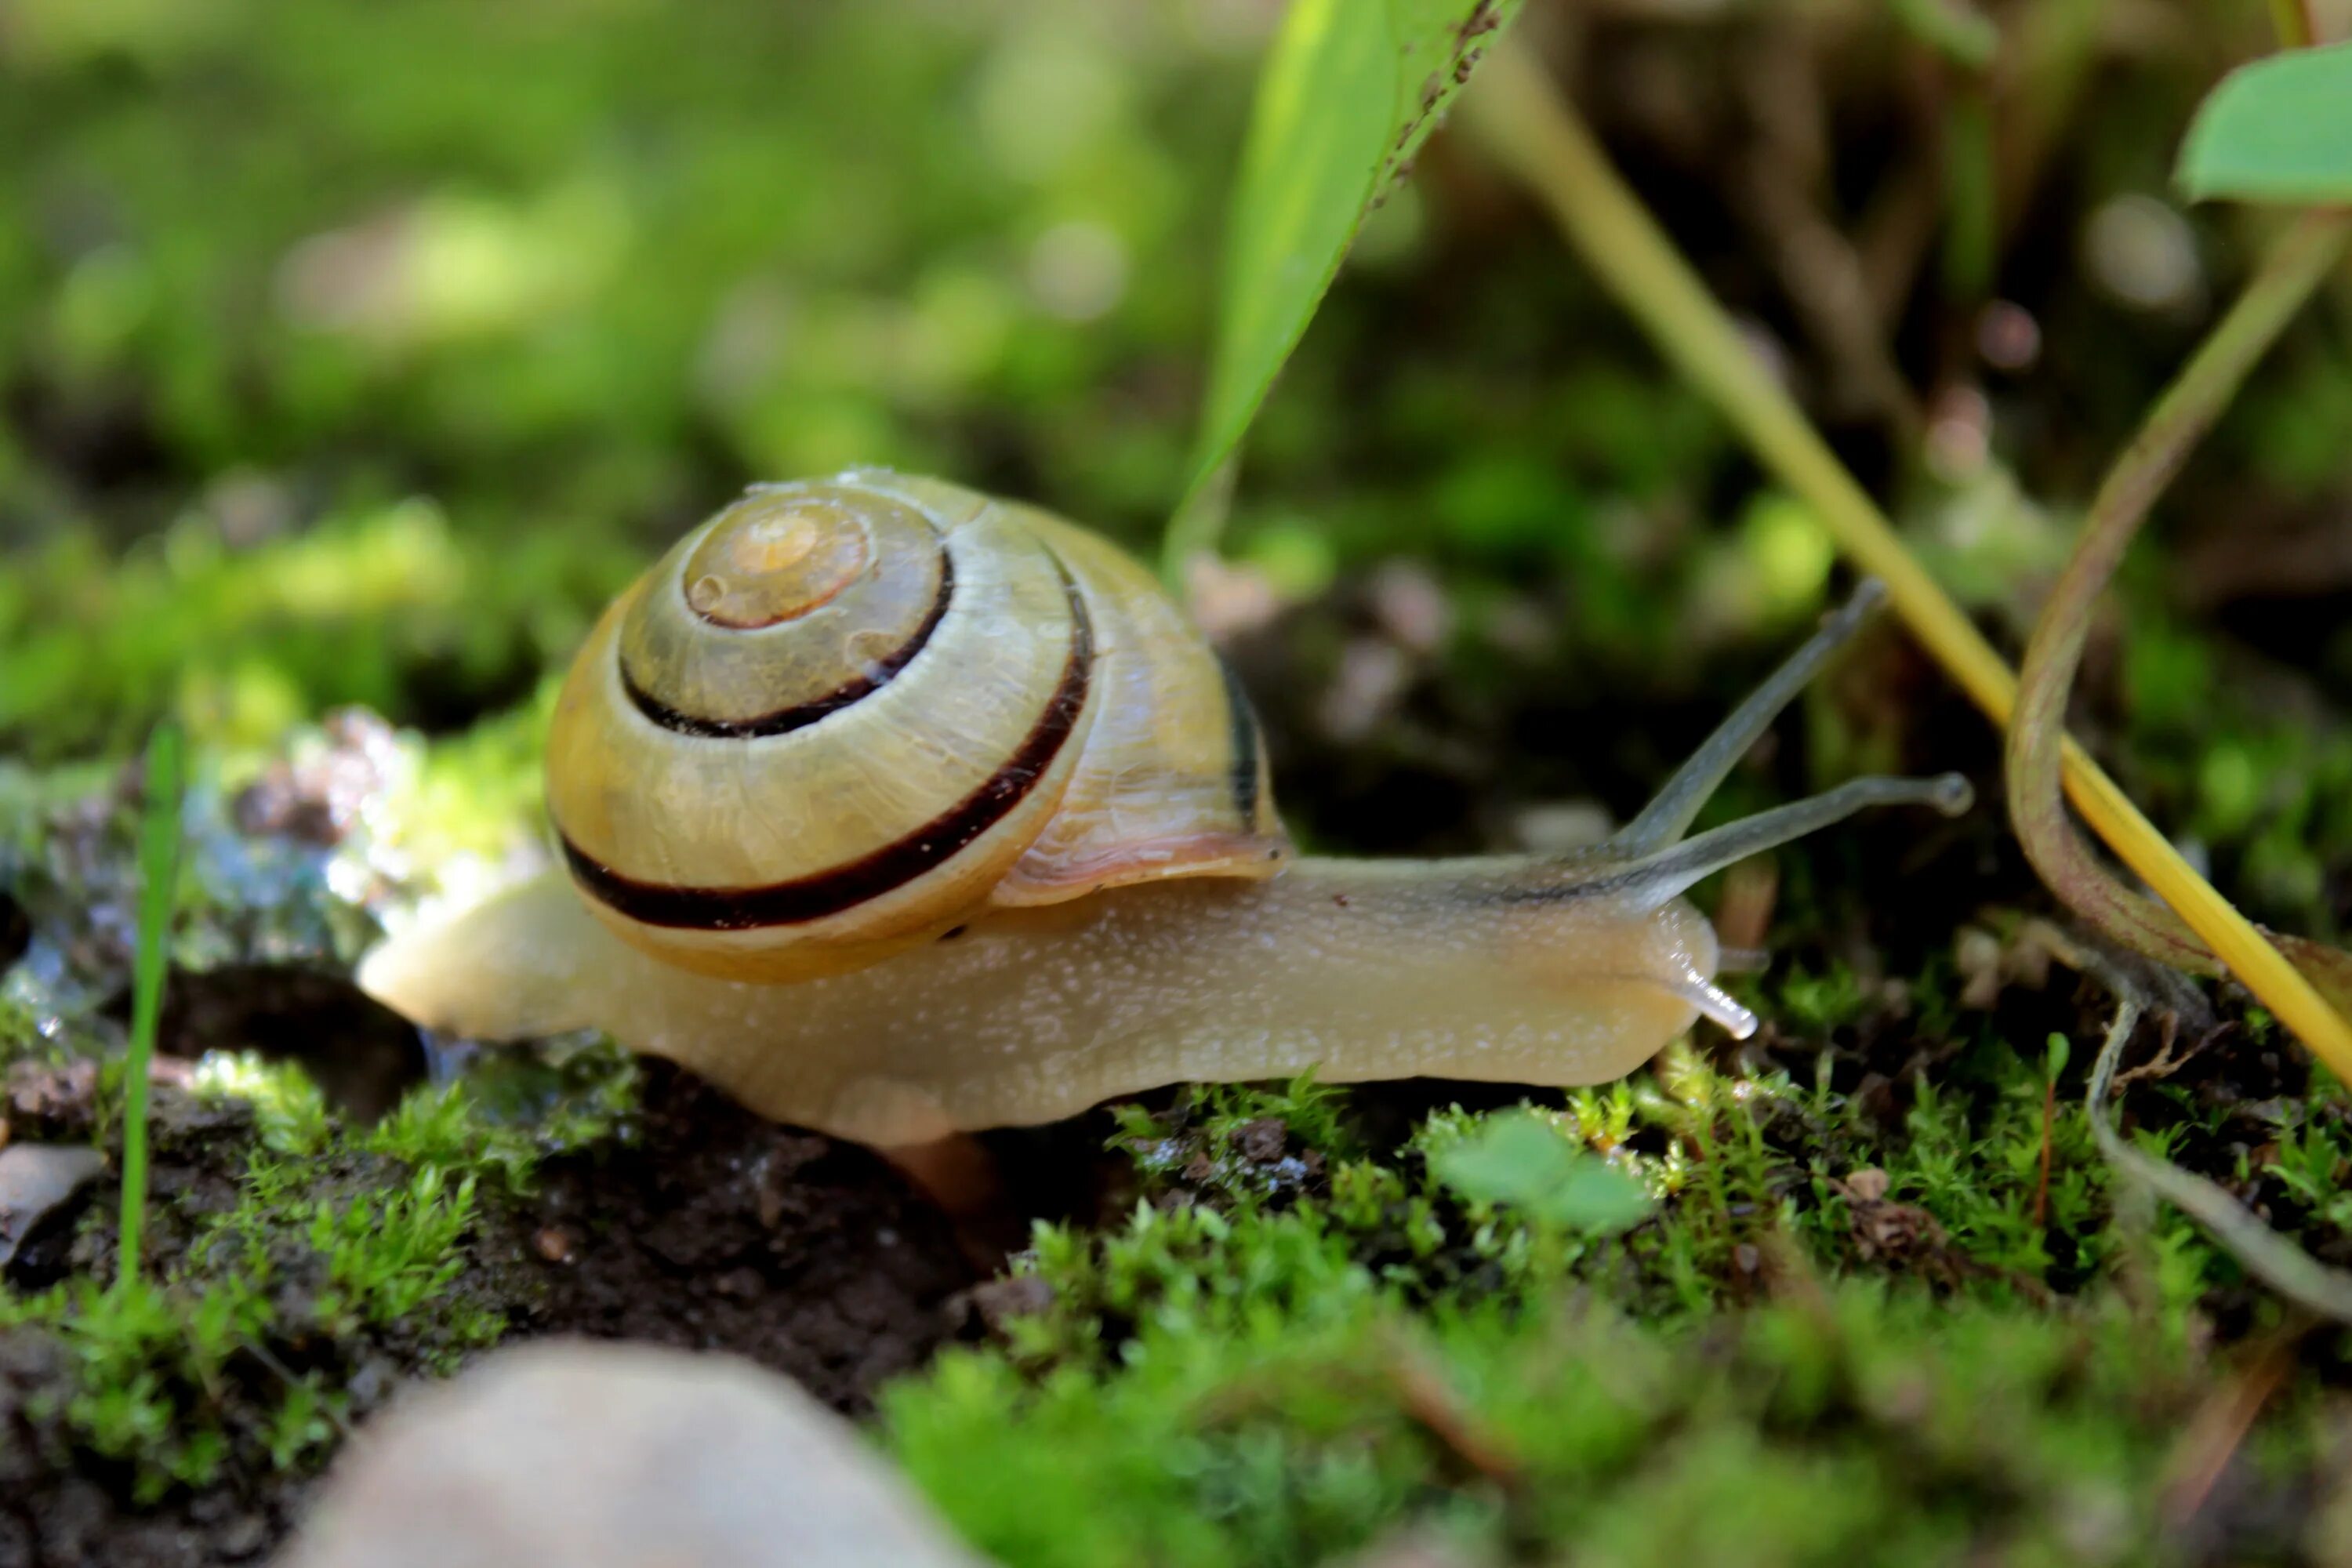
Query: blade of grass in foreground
x=159 y=877
x=1348 y=93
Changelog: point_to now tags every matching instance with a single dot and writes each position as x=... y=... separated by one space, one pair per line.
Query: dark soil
x=715 y=1230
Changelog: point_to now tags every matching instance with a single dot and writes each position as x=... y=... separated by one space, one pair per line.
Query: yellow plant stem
x=1526 y=124
x=2292 y=19
x=2293 y=267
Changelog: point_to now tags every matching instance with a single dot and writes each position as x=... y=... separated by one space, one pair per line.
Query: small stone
x=241 y=1537
x=1000 y=1302
x=617 y=1455
x=367 y=1387
x=1413 y=606
x=1261 y=1141
x=1868 y=1184
x=316 y=796
x=61 y=1099
x=37 y=1180
x=1417 y=1548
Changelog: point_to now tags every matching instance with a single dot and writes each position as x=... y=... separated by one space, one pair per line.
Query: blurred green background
x=356 y=354
x=448 y=313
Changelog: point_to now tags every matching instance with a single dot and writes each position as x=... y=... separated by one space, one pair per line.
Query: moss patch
x=1931 y=1350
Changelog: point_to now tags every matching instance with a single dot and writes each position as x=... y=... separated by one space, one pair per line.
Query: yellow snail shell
x=898 y=810
x=841 y=718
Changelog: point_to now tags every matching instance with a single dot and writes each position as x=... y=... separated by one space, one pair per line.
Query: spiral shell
x=845 y=717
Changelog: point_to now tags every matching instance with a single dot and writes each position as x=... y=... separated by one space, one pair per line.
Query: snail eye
x=772 y=559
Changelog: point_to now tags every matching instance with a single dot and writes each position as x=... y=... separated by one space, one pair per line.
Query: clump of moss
x=299 y=1261
x=281 y=1307
x=1837 y=1327
x=243 y=1352
x=1237 y=1142
x=1280 y=1407
x=367 y=608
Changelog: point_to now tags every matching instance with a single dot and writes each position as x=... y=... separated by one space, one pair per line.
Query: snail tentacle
x=1670 y=811
x=1651 y=881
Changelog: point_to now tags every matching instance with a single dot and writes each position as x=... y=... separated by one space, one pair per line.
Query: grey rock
x=1417 y=1548
x=598 y=1455
x=36 y=1180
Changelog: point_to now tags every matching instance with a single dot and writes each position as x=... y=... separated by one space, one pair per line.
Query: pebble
x=36 y=1180
x=601 y=1455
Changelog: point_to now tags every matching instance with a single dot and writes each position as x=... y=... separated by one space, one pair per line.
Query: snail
x=898 y=810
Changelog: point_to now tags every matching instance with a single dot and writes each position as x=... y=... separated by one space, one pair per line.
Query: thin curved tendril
x=1529 y=127
x=2294 y=267
x=2263 y=1252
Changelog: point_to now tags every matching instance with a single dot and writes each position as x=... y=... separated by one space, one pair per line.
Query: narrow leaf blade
x=1348 y=93
x=2279 y=129
x=1439 y=43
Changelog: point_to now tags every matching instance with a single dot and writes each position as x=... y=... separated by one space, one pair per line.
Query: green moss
x=1868 y=1423
x=145 y=1363
x=173 y=1379
x=242 y=643
x=497 y=1124
x=342 y=1245
x=1217 y=1137
x=1830 y=1339
x=1818 y=1003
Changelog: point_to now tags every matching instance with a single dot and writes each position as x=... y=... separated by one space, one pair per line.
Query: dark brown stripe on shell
x=783 y=720
x=1242 y=740
x=891 y=867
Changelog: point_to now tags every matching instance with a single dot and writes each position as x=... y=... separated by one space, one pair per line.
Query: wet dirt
x=714 y=1229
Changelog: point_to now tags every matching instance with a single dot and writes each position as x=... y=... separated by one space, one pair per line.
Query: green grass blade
x=159 y=877
x=1350 y=91
x=2279 y=129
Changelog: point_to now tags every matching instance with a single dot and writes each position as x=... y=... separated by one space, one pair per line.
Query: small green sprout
x=1520 y=1160
x=159 y=871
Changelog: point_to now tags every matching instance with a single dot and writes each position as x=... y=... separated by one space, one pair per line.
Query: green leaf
x=1521 y=1160
x=1348 y=93
x=2279 y=129
x=1953 y=28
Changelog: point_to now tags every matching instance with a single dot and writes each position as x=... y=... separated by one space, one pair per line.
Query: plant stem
x=1955 y=29
x=2292 y=20
x=1526 y=124
x=2295 y=266
x=1971 y=222
x=2269 y=1257
x=159 y=868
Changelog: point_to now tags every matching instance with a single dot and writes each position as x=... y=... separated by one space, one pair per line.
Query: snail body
x=897 y=811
